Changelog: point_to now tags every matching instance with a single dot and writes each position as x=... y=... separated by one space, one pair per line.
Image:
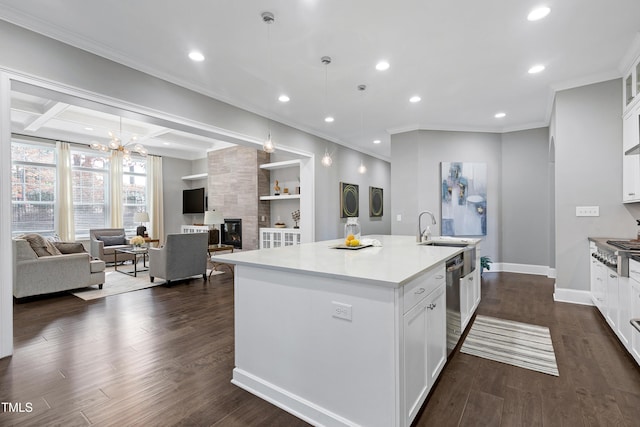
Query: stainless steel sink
x=468 y=255
x=437 y=243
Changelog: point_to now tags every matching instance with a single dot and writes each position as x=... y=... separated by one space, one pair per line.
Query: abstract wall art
x=349 y=200
x=375 y=202
x=463 y=199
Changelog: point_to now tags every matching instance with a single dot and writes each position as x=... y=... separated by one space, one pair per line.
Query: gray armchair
x=182 y=256
x=105 y=241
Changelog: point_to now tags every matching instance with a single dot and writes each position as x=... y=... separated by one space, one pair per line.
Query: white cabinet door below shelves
x=612 y=299
x=425 y=349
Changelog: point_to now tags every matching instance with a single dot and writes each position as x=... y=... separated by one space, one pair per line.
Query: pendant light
x=268 y=18
x=326 y=60
x=361 y=88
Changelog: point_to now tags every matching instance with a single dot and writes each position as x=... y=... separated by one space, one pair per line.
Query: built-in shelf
x=196 y=176
x=281 y=165
x=281 y=197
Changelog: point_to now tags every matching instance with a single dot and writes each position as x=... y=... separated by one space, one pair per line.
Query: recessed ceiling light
x=536 y=69
x=500 y=115
x=166 y=143
x=376 y=141
x=196 y=56
x=328 y=119
x=88 y=128
x=538 y=13
x=382 y=65
x=283 y=98
x=415 y=99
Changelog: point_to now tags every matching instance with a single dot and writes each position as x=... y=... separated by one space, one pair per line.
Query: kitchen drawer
x=418 y=288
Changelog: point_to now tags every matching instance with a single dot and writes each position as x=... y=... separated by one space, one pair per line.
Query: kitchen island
x=341 y=336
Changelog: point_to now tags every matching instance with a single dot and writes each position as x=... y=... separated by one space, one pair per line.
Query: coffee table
x=137 y=252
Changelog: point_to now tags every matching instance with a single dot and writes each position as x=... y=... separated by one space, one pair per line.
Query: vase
x=352 y=227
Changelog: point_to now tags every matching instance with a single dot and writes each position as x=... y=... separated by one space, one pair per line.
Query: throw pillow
x=69 y=247
x=40 y=245
x=113 y=240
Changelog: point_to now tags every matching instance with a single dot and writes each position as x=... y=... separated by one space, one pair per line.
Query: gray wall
x=32 y=54
x=415 y=177
x=525 y=198
x=172 y=185
x=587 y=131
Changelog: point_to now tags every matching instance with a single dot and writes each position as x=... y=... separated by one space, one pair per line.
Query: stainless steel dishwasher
x=454 y=318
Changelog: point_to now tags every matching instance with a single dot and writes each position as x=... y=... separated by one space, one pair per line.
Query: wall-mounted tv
x=193 y=201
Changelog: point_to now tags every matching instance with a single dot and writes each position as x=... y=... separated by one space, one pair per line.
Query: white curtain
x=116 y=190
x=64 y=180
x=156 y=200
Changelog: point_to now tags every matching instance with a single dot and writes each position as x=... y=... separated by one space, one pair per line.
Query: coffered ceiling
x=466 y=60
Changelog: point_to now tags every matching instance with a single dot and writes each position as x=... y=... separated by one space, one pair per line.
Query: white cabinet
x=612 y=299
x=425 y=348
x=278 y=237
x=624 y=310
x=470 y=293
x=634 y=307
x=599 y=285
x=631 y=156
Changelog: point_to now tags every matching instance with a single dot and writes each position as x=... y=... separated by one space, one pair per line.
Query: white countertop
x=399 y=260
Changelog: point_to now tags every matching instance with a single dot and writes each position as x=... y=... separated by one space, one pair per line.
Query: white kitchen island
x=339 y=336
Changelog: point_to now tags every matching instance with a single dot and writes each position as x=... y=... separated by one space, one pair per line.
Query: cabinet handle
x=613 y=276
x=419 y=291
x=439 y=276
x=431 y=306
x=631 y=194
x=470 y=278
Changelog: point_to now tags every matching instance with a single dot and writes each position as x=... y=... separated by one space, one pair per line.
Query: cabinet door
x=465 y=302
x=624 y=310
x=415 y=374
x=599 y=287
x=436 y=334
x=635 y=314
x=630 y=163
x=612 y=299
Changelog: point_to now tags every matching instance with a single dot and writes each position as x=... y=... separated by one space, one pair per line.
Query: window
x=134 y=191
x=33 y=185
x=33 y=188
x=90 y=175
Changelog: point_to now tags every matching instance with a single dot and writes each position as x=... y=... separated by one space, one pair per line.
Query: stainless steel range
x=615 y=254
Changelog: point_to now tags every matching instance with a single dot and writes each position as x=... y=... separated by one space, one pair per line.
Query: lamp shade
x=141 y=217
x=213 y=218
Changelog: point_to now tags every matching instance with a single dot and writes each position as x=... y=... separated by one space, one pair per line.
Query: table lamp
x=215 y=218
x=141 y=217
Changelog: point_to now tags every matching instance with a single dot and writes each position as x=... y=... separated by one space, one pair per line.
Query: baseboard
x=572 y=296
x=540 y=270
x=295 y=405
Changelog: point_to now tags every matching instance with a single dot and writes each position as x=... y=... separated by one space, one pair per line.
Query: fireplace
x=232 y=233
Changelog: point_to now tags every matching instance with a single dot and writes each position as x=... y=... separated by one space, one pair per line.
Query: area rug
x=518 y=344
x=118 y=283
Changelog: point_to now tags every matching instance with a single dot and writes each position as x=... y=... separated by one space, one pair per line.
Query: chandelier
x=115 y=144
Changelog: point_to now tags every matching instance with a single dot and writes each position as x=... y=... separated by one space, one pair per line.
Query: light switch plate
x=587 y=210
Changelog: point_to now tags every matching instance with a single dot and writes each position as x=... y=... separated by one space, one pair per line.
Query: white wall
x=525 y=222
x=588 y=171
x=415 y=177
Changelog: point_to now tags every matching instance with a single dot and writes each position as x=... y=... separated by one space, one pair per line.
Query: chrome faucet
x=426 y=235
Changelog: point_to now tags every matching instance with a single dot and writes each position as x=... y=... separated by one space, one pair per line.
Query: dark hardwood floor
x=163 y=356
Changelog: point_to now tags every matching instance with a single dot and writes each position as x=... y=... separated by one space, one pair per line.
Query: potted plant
x=485 y=264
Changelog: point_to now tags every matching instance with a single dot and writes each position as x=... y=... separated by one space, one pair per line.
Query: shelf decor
x=375 y=202
x=349 y=200
x=463 y=199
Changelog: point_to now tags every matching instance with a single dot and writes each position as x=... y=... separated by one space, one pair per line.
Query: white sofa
x=38 y=275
